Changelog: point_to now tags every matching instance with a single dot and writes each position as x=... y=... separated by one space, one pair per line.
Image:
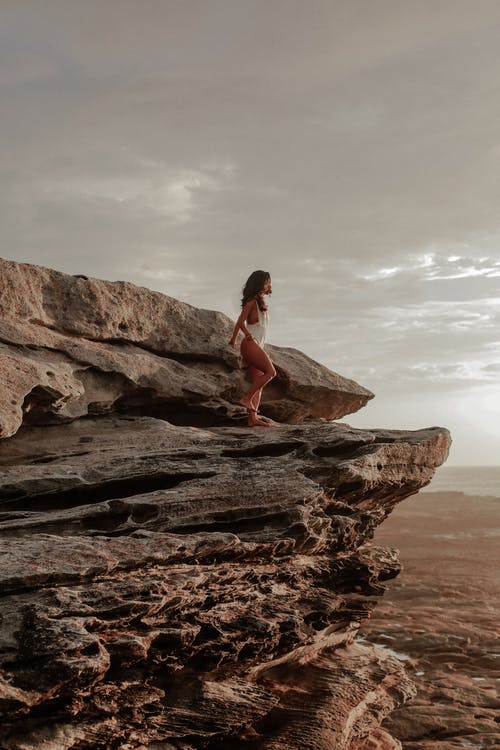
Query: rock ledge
x=170 y=578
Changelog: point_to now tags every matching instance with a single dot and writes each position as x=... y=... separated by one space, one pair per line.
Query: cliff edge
x=171 y=579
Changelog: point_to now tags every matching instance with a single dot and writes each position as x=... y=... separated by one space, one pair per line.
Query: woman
x=253 y=322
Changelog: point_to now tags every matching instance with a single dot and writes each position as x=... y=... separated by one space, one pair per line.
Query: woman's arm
x=240 y=323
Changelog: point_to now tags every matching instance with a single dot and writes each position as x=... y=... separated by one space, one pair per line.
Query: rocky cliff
x=72 y=347
x=170 y=577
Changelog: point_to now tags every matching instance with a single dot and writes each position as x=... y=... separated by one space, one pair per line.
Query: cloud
x=383 y=273
x=177 y=194
x=437 y=265
x=455 y=372
x=469 y=271
x=352 y=150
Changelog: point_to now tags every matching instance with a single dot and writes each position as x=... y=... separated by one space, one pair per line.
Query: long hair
x=253 y=286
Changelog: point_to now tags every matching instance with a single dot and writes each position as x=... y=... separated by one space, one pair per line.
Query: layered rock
x=198 y=586
x=73 y=346
x=176 y=586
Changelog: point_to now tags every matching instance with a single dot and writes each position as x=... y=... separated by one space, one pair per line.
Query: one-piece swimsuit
x=259 y=329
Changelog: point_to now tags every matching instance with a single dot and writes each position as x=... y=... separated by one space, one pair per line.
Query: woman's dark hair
x=254 y=285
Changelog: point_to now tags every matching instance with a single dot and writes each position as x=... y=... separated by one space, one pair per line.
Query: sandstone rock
x=378 y=739
x=172 y=580
x=199 y=587
x=73 y=346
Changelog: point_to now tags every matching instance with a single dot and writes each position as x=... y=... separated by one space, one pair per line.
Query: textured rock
x=199 y=587
x=190 y=583
x=72 y=346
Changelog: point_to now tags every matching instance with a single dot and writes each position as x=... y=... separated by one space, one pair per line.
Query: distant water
x=471 y=480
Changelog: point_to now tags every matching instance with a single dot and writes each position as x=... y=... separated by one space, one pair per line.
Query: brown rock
x=199 y=588
x=190 y=583
x=74 y=346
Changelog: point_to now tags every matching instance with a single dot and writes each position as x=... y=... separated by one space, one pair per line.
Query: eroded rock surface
x=199 y=587
x=170 y=579
x=72 y=346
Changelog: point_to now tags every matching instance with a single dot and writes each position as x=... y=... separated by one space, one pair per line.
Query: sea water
x=471 y=480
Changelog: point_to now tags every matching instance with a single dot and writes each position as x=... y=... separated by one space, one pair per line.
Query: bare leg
x=261 y=381
x=268 y=422
x=262 y=371
x=255 y=400
x=253 y=418
x=256 y=356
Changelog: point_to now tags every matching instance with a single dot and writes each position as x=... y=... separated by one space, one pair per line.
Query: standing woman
x=253 y=322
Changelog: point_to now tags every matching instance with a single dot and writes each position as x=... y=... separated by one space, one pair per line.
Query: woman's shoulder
x=250 y=303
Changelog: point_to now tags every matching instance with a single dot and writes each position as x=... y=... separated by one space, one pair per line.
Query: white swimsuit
x=258 y=330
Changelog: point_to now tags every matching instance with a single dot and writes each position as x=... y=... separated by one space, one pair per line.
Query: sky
x=349 y=147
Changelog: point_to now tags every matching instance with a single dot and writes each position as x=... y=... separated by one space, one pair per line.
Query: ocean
x=471 y=480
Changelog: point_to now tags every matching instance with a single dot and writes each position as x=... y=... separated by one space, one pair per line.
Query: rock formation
x=170 y=578
x=72 y=346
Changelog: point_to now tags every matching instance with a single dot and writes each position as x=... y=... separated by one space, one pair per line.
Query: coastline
x=476 y=481
x=440 y=616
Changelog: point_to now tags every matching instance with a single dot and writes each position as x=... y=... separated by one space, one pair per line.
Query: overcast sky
x=350 y=147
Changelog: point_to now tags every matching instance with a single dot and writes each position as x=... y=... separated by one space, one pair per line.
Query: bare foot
x=271 y=422
x=256 y=422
